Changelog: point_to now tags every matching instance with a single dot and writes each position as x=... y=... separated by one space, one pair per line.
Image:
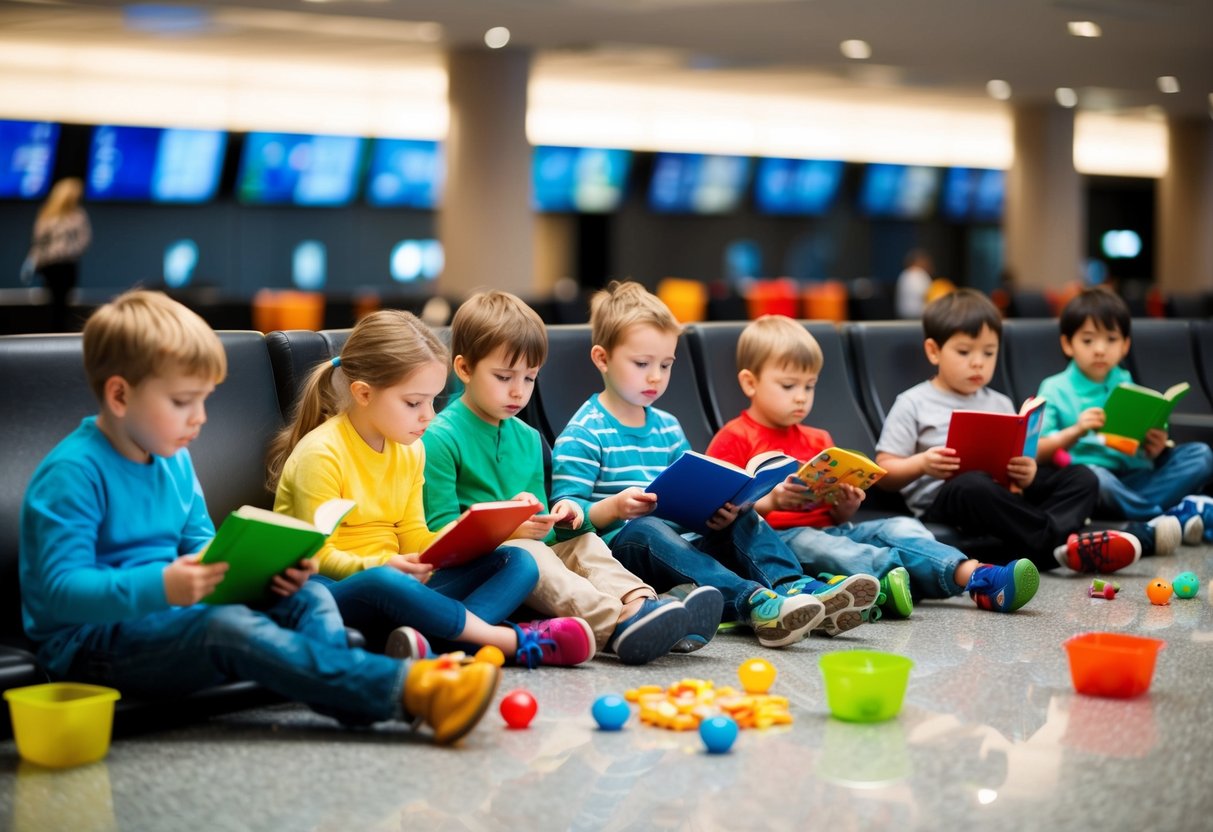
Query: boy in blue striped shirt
x=617 y=443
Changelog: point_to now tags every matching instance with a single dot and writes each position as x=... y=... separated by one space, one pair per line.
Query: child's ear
x=748 y=382
x=931 y=347
x=463 y=369
x=1067 y=346
x=599 y=356
x=360 y=392
x=115 y=393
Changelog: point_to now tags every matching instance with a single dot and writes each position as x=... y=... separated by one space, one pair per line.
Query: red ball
x=518 y=708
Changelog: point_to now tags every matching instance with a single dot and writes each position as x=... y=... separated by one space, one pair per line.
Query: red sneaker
x=566 y=642
x=1102 y=552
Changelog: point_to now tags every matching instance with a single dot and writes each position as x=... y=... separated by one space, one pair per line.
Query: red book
x=478 y=531
x=987 y=441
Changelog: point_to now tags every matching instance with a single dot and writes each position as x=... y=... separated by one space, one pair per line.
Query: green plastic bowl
x=863 y=685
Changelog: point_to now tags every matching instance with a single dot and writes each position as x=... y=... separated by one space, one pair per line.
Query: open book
x=258 y=544
x=476 y=532
x=987 y=441
x=1132 y=410
x=695 y=486
x=834 y=467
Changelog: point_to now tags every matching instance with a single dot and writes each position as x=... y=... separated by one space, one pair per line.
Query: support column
x=1185 y=208
x=486 y=224
x=1045 y=217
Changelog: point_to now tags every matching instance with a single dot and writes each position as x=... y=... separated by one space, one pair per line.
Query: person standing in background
x=61 y=234
x=913 y=284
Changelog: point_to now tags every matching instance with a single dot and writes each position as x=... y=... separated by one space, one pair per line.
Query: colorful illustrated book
x=987 y=441
x=258 y=544
x=1131 y=410
x=695 y=486
x=476 y=532
x=835 y=467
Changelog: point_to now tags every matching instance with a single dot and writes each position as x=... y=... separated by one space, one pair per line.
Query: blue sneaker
x=1189 y=514
x=845 y=603
x=1004 y=588
x=650 y=632
x=779 y=621
x=705 y=606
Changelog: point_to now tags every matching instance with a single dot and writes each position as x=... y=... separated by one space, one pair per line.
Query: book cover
x=258 y=544
x=987 y=441
x=1131 y=410
x=695 y=486
x=832 y=468
x=476 y=532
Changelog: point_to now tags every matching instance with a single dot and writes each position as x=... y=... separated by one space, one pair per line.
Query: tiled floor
x=992 y=736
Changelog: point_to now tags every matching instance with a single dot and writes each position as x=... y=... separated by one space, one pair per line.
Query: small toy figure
x=1186 y=585
x=1159 y=592
x=718 y=733
x=518 y=708
x=611 y=712
x=1100 y=588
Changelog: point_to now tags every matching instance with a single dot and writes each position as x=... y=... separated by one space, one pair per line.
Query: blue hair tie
x=336 y=361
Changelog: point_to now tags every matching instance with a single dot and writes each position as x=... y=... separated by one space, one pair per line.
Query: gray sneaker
x=704 y=605
x=650 y=632
x=780 y=621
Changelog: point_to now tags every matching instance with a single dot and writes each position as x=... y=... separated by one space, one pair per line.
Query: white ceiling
x=923 y=51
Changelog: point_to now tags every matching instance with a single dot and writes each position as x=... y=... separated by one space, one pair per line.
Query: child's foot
x=895 y=599
x=1160 y=536
x=448 y=695
x=1102 y=552
x=407 y=643
x=564 y=642
x=650 y=632
x=705 y=606
x=1190 y=518
x=779 y=620
x=845 y=603
x=1004 y=588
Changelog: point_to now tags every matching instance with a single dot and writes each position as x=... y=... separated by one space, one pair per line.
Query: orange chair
x=288 y=309
x=825 y=301
x=687 y=299
x=773 y=297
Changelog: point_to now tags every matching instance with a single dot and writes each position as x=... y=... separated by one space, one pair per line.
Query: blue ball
x=718 y=733
x=1186 y=585
x=611 y=712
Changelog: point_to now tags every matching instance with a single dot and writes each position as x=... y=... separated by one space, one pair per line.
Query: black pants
x=1056 y=504
x=60 y=279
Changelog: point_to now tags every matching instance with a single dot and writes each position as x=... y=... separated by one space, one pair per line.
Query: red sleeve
x=731 y=445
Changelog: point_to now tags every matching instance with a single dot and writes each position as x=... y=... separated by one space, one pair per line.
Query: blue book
x=695 y=486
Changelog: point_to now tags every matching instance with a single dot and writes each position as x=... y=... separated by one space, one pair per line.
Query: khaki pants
x=581 y=577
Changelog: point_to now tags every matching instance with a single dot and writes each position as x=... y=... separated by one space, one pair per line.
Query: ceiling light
x=496 y=37
x=1084 y=29
x=998 y=89
x=1168 y=84
x=1066 y=97
x=857 y=50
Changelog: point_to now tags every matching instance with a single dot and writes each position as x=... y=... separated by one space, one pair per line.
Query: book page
x=273 y=518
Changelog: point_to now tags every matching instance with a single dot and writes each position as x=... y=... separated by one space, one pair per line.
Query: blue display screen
x=973 y=194
x=297 y=169
x=27 y=158
x=905 y=192
x=804 y=187
x=588 y=180
x=156 y=164
x=692 y=183
x=406 y=173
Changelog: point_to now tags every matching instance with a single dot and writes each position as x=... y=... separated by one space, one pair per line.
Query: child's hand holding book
x=187 y=580
x=290 y=580
x=410 y=565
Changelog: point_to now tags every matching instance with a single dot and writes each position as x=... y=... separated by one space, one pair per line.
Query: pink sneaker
x=566 y=642
x=1102 y=552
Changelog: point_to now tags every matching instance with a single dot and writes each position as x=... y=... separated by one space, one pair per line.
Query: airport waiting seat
x=1202 y=346
x=1032 y=352
x=1162 y=354
x=293 y=354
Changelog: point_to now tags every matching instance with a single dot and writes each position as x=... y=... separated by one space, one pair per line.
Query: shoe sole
x=845 y=604
x=1167 y=535
x=704 y=606
x=1026 y=578
x=405 y=643
x=653 y=636
x=481 y=707
x=792 y=626
x=1194 y=530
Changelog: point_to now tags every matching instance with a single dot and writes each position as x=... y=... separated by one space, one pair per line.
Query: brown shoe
x=449 y=694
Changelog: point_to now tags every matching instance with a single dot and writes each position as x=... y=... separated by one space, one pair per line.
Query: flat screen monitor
x=154 y=164
x=906 y=192
x=973 y=194
x=797 y=187
x=694 y=183
x=587 y=180
x=405 y=173
x=27 y=158
x=298 y=169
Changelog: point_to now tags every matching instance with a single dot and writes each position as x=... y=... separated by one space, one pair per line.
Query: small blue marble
x=718 y=733
x=610 y=712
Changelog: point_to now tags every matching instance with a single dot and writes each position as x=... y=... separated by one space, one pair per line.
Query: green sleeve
x=441 y=473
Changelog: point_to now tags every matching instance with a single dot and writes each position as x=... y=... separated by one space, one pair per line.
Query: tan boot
x=450 y=695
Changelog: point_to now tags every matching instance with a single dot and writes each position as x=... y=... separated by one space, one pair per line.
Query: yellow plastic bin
x=62 y=724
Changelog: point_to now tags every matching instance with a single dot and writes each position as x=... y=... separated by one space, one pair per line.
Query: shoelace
x=530 y=647
x=981 y=581
x=1092 y=551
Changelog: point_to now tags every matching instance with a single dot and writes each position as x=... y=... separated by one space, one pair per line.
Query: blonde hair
x=62 y=200
x=623 y=305
x=141 y=333
x=488 y=320
x=384 y=348
x=777 y=341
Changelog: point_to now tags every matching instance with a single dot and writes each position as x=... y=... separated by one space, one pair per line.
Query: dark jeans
x=60 y=279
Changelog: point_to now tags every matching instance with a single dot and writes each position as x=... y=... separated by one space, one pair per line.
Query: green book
x=259 y=544
x=1131 y=410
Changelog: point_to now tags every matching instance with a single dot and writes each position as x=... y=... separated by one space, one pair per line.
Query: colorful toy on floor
x=1186 y=585
x=491 y=654
x=1100 y=588
x=684 y=705
x=756 y=675
x=518 y=708
x=611 y=712
x=718 y=734
x=1159 y=592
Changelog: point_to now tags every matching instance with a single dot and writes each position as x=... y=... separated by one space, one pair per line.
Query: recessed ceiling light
x=1084 y=29
x=857 y=50
x=496 y=37
x=1168 y=83
x=998 y=89
x=1066 y=97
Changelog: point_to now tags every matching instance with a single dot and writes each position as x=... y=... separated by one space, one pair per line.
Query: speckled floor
x=992 y=736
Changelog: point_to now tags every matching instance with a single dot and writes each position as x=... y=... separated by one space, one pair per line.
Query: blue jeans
x=296 y=647
x=1147 y=493
x=738 y=560
x=874 y=548
x=377 y=601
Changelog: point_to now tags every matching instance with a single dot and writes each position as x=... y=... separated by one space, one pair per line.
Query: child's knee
x=519 y=562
